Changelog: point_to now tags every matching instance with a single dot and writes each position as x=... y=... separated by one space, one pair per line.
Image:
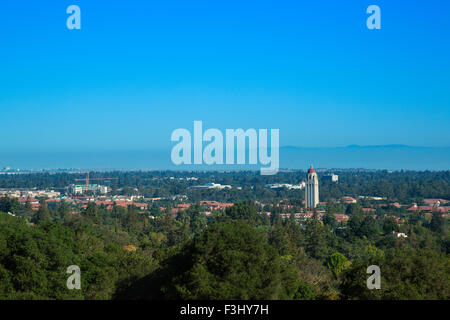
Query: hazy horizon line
x=140 y=149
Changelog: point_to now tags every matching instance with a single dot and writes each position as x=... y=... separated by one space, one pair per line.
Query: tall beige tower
x=312 y=189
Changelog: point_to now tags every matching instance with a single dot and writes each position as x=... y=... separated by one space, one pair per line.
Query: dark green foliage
x=369 y=228
x=316 y=243
x=34 y=259
x=330 y=220
x=230 y=260
x=389 y=225
x=9 y=205
x=410 y=274
x=438 y=224
x=43 y=213
x=336 y=263
x=243 y=211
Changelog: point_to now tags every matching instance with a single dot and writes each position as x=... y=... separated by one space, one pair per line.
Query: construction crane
x=87 y=179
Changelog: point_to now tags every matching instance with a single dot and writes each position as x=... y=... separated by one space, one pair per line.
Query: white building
x=331 y=177
x=80 y=189
x=75 y=189
x=312 y=189
x=285 y=185
x=213 y=186
x=101 y=189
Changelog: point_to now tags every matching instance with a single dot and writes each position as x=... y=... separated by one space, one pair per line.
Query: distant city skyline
x=137 y=70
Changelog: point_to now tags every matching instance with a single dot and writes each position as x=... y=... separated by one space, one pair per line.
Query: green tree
x=336 y=263
x=9 y=204
x=230 y=260
x=63 y=212
x=389 y=225
x=243 y=211
x=43 y=213
x=438 y=223
x=330 y=220
x=374 y=254
x=132 y=221
x=197 y=221
x=91 y=212
x=316 y=242
x=369 y=228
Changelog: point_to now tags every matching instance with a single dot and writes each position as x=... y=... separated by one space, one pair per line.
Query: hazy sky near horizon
x=137 y=70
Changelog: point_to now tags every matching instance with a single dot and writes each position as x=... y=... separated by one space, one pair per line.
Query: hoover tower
x=312 y=189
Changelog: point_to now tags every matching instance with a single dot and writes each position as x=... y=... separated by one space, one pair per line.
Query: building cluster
x=209 y=206
x=432 y=205
x=110 y=202
x=31 y=193
x=304 y=216
x=33 y=197
x=311 y=207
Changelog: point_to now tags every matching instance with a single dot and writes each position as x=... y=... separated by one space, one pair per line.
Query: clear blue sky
x=137 y=70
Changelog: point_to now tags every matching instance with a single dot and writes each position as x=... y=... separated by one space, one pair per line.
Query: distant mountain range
x=393 y=157
x=370 y=157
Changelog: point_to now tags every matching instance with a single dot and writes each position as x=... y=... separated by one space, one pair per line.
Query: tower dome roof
x=311 y=169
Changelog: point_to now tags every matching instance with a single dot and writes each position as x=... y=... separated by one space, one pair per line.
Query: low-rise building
x=212 y=186
x=348 y=200
x=331 y=177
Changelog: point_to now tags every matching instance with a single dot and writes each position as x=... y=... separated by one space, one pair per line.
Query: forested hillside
x=236 y=254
